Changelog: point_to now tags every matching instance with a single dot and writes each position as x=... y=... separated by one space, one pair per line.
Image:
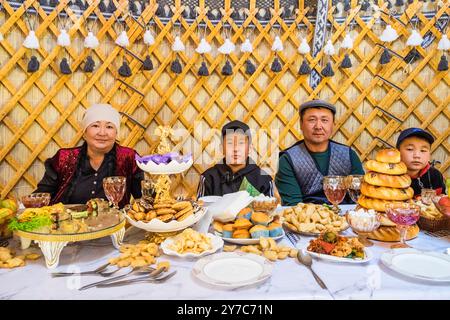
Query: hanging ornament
x=176 y=67
x=277 y=45
x=33 y=64
x=443 y=63
x=64 y=66
x=249 y=67
x=89 y=65
x=31 y=41
x=122 y=40
x=203 y=71
x=347 y=43
x=227 y=48
x=304 y=47
x=329 y=48
x=415 y=39
x=111 y=6
x=389 y=34
x=102 y=6
x=365 y=5
x=91 y=41
x=247 y=46
x=327 y=71
x=412 y=56
x=148 y=38
x=147 y=64
x=1 y=37
x=276 y=65
x=304 y=68
x=444 y=43
x=346 y=62
x=385 y=57
x=227 y=69
x=177 y=46
x=203 y=47
x=63 y=38
x=124 y=69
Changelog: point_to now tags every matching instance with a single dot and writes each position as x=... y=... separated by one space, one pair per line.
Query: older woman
x=75 y=175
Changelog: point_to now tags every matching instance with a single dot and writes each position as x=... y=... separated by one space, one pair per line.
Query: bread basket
x=434 y=225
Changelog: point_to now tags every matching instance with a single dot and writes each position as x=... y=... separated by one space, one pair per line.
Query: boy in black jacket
x=237 y=171
x=415 y=149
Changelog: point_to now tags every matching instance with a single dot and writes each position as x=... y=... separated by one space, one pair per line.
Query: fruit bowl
x=169 y=163
x=442 y=203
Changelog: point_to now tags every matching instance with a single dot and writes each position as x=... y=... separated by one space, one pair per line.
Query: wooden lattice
x=40 y=112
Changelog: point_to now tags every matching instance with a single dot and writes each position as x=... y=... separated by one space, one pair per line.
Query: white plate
x=429 y=266
x=173 y=167
x=328 y=257
x=216 y=243
x=232 y=269
x=246 y=241
x=156 y=225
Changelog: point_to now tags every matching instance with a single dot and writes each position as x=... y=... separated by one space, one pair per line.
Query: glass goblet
x=335 y=190
x=353 y=184
x=114 y=188
x=363 y=222
x=403 y=215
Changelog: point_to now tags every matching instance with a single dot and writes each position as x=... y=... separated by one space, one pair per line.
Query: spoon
x=306 y=260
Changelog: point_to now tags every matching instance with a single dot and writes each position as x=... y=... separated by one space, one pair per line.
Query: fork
x=293 y=237
x=96 y=271
x=144 y=279
x=139 y=270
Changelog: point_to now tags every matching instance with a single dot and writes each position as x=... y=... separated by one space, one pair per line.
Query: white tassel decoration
x=329 y=48
x=347 y=43
x=91 y=41
x=304 y=47
x=1 y=37
x=277 y=44
x=122 y=40
x=31 y=41
x=444 y=43
x=203 y=47
x=227 y=48
x=148 y=38
x=389 y=34
x=63 y=38
x=247 y=46
x=178 y=45
x=415 y=39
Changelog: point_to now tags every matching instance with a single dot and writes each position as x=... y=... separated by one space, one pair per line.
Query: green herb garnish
x=33 y=224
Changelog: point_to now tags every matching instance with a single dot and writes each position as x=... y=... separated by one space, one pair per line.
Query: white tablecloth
x=290 y=280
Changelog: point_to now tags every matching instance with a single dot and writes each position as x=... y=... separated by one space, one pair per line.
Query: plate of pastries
x=386 y=181
x=312 y=219
x=249 y=226
x=165 y=215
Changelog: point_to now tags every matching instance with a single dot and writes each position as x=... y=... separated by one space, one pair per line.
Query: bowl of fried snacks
x=191 y=244
x=312 y=219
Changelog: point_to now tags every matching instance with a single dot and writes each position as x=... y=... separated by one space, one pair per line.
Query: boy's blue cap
x=414 y=132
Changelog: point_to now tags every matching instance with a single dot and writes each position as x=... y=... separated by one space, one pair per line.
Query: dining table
x=289 y=278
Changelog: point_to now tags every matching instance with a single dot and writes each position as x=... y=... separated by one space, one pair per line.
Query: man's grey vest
x=308 y=175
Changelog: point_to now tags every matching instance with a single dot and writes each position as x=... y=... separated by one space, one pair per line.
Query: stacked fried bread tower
x=386 y=181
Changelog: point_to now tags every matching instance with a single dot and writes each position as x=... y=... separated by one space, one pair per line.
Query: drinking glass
x=403 y=215
x=114 y=188
x=335 y=190
x=363 y=223
x=353 y=184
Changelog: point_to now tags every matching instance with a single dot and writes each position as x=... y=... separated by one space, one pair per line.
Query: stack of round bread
x=386 y=181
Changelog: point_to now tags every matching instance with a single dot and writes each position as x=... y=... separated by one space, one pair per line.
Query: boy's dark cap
x=236 y=125
x=317 y=104
x=414 y=132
